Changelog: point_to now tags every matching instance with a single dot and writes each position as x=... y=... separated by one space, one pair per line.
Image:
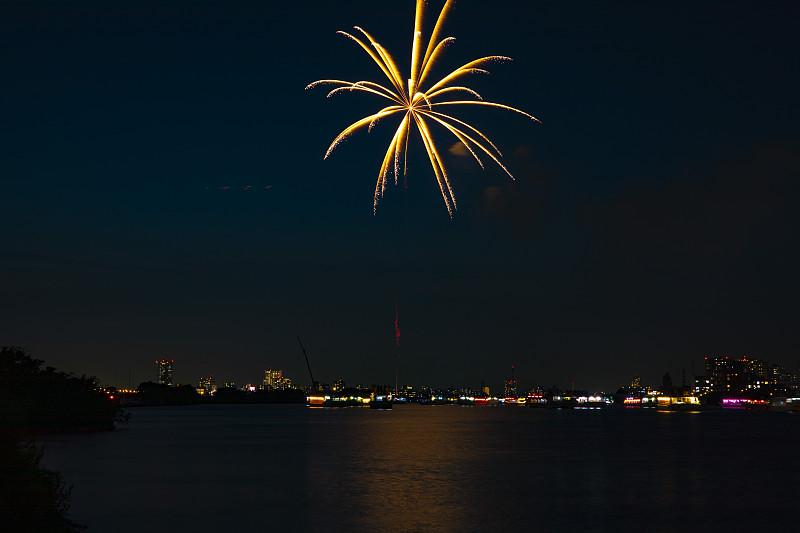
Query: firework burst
x=420 y=104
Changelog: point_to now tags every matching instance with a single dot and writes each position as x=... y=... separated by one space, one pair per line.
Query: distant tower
x=164 y=368
x=510 y=386
x=636 y=381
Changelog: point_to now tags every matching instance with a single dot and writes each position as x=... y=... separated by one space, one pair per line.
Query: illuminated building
x=271 y=377
x=780 y=376
x=164 y=368
x=702 y=385
x=760 y=370
x=737 y=374
x=207 y=385
x=719 y=371
x=274 y=380
x=408 y=393
x=338 y=385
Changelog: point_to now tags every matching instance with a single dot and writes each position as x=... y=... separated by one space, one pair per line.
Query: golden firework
x=420 y=106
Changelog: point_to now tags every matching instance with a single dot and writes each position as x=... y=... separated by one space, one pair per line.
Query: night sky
x=651 y=224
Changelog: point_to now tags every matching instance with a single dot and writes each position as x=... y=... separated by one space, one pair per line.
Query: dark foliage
x=31 y=499
x=35 y=401
x=230 y=395
x=46 y=400
x=160 y=394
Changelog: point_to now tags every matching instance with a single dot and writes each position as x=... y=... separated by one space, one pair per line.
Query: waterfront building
x=207 y=386
x=702 y=385
x=164 y=369
x=740 y=374
x=719 y=371
x=780 y=376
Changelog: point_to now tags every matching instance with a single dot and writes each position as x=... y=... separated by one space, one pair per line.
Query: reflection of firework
x=419 y=106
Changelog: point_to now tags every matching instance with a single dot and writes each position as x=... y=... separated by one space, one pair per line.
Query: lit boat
x=536 y=399
x=512 y=400
x=326 y=400
x=383 y=401
x=486 y=400
x=744 y=403
x=637 y=401
x=591 y=402
x=562 y=402
x=678 y=403
x=318 y=400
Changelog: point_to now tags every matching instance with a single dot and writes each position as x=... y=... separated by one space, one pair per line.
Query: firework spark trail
x=397 y=328
x=418 y=105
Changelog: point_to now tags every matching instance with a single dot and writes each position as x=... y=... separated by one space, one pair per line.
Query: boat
x=513 y=400
x=678 y=403
x=744 y=403
x=591 y=402
x=536 y=399
x=380 y=401
x=562 y=402
x=639 y=401
x=486 y=400
x=783 y=403
x=318 y=400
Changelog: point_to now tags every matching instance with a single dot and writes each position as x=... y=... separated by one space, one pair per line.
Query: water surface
x=434 y=468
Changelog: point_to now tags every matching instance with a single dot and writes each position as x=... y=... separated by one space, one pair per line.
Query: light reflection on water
x=433 y=468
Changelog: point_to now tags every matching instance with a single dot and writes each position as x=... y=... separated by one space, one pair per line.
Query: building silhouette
x=510 y=385
x=164 y=369
x=741 y=374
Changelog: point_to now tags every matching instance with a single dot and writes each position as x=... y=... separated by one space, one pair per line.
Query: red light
x=112 y=396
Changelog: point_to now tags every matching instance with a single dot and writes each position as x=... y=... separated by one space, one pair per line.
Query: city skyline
x=164 y=193
x=736 y=369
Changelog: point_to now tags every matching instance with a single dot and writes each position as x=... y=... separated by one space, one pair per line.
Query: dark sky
x=651 y=222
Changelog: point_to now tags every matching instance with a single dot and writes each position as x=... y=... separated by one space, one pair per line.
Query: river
x=434 y=468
